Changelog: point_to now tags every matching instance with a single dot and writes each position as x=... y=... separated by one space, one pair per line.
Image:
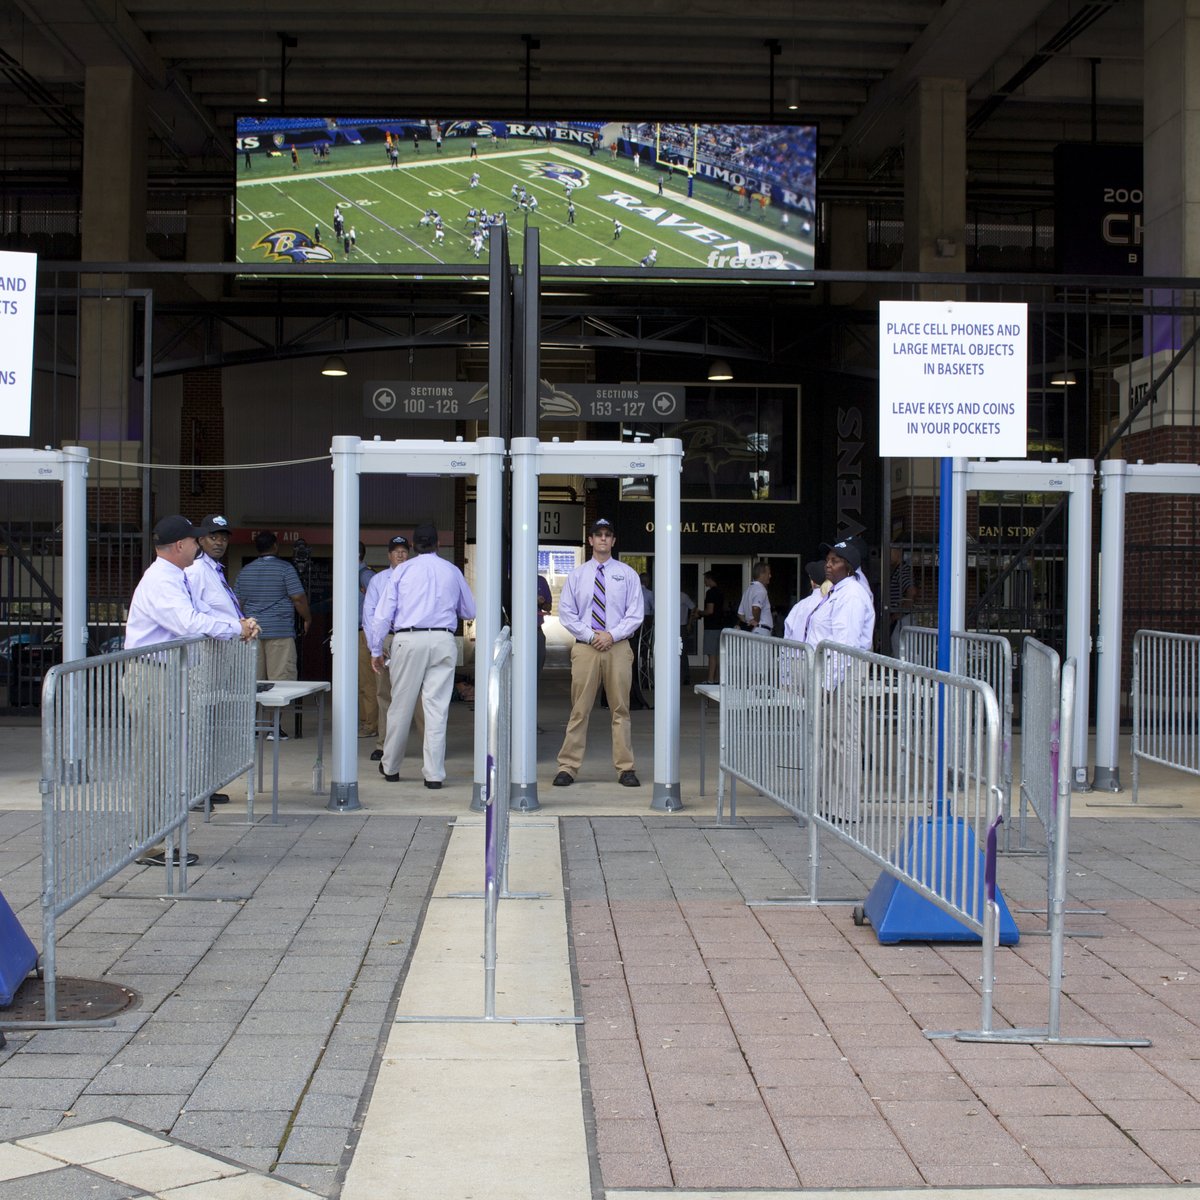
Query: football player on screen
x=651 y=258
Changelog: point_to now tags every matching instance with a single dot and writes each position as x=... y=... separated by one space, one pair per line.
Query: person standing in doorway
x=754 y=609
x=713 y=613
x=601 y=606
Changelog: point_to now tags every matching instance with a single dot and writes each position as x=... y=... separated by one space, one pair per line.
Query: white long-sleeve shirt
x=163 y=609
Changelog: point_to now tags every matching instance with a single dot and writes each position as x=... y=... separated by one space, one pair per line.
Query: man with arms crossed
x=601 y=606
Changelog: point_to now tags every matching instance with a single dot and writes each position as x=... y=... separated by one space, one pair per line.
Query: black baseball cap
x=426 y=534
x=398 y=540
x=214 y=523
x=850 y=551
x=815 y=570
x=174 y=529
x=603 y=525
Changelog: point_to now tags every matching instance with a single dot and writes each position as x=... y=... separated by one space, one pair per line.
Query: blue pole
x=945 y=573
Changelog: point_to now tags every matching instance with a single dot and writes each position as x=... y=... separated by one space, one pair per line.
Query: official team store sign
x=18 y=284
x=952 y=379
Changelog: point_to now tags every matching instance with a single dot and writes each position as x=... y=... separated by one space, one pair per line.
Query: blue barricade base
x=17 y=954
x=899 y=914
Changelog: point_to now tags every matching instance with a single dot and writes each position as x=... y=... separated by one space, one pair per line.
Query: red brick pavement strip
x=770 y=1048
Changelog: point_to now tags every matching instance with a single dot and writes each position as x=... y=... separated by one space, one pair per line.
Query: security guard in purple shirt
x=601 y=606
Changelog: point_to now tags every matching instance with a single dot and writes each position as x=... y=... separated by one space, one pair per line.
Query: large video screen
x=654 y=195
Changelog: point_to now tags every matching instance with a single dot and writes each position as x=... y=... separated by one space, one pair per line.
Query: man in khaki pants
x=601 y=605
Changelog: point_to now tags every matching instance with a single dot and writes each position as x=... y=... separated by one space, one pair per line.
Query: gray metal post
x=524 y=624
x=489 y=508
x=1113 y=479
x=343 y=789
x=1079 y=605
x=667 y=647
x=958 y=532
x=75 y=544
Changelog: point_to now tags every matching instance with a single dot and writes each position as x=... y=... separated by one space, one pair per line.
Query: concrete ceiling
x=1037 y=72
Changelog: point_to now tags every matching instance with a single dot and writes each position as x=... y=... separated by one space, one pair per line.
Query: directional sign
x=952 y=379
x=424 y=400
x=418 y=400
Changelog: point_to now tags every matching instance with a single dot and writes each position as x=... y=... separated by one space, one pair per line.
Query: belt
x=422 y=629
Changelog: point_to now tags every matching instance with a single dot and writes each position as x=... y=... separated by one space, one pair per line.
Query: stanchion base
x=899 y=914
x=477 y=804
x=343 y=798
x=523 y=798
x=1107 y=779
x=667 y=798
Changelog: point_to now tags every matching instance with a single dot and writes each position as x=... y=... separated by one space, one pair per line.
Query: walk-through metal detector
x=352 y=457
x=662 y=459
x=1119 y=478
x=1074 y=478
x=69 y=467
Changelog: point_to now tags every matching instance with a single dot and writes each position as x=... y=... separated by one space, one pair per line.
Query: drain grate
x=76 y=1000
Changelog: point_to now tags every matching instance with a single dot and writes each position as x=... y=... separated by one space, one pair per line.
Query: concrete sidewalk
x=726 y=1045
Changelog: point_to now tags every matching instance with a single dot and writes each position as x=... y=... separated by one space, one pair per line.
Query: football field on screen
x=384 y=206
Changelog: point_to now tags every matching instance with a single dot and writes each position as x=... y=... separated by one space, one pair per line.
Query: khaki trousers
x=422 y=666
x=589 y=669
x=368 y=704
x=383 y=697
x=277 y=658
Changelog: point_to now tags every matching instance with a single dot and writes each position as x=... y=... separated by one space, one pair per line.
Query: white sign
x=18 y=283
x=953 y=379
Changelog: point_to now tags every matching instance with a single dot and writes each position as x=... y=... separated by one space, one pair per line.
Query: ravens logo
x=291 y=245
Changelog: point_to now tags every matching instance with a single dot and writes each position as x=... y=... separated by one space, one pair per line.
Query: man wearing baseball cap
x=601 y=606
x=422 y=604
x=209 y=587
x=847 y=614
x=398 y=550
x=162 y=610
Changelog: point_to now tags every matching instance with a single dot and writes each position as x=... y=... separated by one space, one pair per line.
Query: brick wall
x=202 y=442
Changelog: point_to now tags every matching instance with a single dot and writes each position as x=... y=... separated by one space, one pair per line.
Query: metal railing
x=1166 y=702
x=764 y=700
x=897 y=760
x=129 y=741
x=988 y=658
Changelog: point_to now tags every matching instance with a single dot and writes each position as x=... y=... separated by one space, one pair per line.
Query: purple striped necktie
x=232 y=594
x=598 y=599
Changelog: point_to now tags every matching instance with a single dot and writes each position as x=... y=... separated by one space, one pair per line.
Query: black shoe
x=629 y=779
x=158 y=858
x=390 y=778
x=433 y=784
x=563 y=779
x=376 y=755
x=219 y=798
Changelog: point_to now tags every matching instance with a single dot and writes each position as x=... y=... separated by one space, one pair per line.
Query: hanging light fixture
x=1063 y=379
x=793 y=94
x=262 y=92
x=335 y=366
x=719 y=371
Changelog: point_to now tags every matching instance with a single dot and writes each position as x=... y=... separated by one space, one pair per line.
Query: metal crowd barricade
x=1041 y=742
x=986 y=657
x=1043 y=759
x=121 y=736
x=880 y=784
x=1166 y=702
x=763 y=739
